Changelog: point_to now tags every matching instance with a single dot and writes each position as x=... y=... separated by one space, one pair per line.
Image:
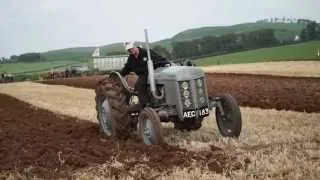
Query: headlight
x=202 y=100
x=185 y=85
x=200 y=91
x=134 y=100
x=186 y=94
x=200 y=83
x=187 y=103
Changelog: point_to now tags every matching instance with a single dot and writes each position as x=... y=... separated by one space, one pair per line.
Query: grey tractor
x=178 y=94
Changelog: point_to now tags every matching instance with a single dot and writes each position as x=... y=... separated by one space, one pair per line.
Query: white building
x=107 y=63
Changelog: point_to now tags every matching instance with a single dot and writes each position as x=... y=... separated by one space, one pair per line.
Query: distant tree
x=31 y=57
x=209 y=44
x=184 y=49
x=162 y=51
x=310 y=31
x=304 y=21
x=14 y=58
x=318 y=31
x=304 y=35
x=258 y=39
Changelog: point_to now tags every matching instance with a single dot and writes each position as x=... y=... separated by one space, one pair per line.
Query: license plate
x=194 y=113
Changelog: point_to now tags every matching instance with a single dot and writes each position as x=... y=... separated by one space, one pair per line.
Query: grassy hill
x=116 y=47
x=283 y=31
x=164 y=43
x=83 y=53
x=282 y=53
x=69 y=54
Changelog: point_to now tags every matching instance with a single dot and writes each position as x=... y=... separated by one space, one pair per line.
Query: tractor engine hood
x=178 y=73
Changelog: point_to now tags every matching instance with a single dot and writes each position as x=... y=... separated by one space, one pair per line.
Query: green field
x=16 y=68
x=282 y=53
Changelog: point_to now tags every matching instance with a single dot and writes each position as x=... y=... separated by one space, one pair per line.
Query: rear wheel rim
x=147 y=132
x=226 y=120
x=105 y=118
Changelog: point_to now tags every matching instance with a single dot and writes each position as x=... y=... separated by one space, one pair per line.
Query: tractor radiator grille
x=193 y=94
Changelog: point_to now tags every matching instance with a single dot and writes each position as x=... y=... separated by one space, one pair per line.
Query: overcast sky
x=42 y=25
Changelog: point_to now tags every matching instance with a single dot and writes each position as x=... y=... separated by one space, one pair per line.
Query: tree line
x=26 y=57
x=229 y=43
x=212 y=45
x=310 y=32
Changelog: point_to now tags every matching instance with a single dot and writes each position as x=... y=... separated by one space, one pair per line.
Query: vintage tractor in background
x=5 y=78
x=178 y=94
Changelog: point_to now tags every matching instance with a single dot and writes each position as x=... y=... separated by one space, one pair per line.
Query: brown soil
x=89 y=82
x=264 y=91
x=37 y=142
x=267 y=91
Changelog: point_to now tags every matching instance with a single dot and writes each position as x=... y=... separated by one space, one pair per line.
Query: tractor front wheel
x=228 y=116
x=149 y=127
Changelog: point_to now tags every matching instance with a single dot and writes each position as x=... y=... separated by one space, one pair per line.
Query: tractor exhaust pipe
x=151 y=70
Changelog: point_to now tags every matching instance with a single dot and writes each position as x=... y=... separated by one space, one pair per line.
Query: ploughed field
x=263 y=91
x=48 y=143
x=51 y=131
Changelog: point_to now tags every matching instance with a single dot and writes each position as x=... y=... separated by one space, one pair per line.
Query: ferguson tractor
x=178 y=94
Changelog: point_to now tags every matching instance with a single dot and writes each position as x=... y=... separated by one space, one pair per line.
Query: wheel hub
x=147 y=132
x=106 y=124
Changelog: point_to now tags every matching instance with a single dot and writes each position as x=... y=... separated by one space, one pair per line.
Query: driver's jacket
x=139 y=65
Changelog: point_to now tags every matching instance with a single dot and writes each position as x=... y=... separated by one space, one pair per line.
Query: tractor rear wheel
x=111 y=107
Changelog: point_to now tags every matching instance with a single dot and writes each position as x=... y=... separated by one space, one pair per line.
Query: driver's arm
x=126 y=69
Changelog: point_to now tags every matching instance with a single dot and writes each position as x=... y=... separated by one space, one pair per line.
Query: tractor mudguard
x=118 y=77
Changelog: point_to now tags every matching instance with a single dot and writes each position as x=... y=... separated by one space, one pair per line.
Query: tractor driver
x=137 y=63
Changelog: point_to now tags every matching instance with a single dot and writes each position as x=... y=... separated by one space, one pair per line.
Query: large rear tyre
x=104 y=116
x=111 y=107
x=149 y=127
x=230 y=122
